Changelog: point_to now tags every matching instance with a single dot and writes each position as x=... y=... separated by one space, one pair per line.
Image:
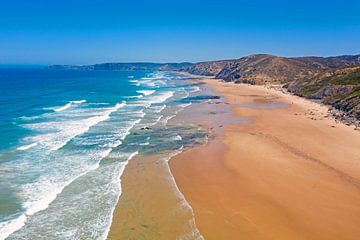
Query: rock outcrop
x=211 y=68
x=333 y=80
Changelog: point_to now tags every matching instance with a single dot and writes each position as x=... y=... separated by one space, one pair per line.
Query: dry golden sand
x=289 y=173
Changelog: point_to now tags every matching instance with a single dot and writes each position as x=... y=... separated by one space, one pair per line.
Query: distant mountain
x=126 y=66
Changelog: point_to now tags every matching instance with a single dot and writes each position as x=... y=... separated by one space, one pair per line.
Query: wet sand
x=150 y=206
x=286 y=171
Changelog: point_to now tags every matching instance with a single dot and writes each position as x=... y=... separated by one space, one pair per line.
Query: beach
x=288 y=172
x=275 y=166
x=61 y=158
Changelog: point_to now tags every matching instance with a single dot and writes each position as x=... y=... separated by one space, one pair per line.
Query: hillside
x=333 y=80
x=262 y=69
x=341 y=89
x=211 y=68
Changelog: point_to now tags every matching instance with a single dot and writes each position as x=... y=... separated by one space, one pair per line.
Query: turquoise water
x=66 y=137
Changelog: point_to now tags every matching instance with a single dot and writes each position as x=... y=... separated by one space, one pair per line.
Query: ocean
x=66 y=137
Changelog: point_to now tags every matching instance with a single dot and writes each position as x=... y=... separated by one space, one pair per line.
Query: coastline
x=273 y=167
x=151 y=205
x=286 y=173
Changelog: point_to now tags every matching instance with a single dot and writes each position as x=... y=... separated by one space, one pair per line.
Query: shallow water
x=66 y=137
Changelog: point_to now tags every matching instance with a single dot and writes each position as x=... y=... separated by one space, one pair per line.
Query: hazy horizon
x=85 y=32
x=140 y=61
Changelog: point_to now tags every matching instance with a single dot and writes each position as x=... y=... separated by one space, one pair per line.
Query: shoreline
x=241 y=182
x=333 y=113
x=286 y=173
x=151 y=206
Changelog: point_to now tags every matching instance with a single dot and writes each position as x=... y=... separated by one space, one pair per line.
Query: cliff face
x=206 y=68
x=262 y=69
x=334 y=80
x=340 y=88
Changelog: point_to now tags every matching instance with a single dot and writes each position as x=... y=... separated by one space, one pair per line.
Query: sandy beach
x=289 y=172
x=276 y=166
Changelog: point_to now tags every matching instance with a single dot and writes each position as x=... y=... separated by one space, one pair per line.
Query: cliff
x=211 y=68
x=333 y=80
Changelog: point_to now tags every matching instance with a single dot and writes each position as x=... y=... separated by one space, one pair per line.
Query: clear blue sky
x=92 y=31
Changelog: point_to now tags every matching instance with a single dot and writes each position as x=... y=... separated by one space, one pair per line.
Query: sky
x=95 y=31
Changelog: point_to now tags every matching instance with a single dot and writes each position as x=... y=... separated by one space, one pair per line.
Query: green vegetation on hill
x=351 y=78
x=308 y=90
x=334 y=80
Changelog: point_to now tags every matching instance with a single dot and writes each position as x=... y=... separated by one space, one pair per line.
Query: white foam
x=159 y=109
x=98 y=104
x=194 y=231
x=26 y=118
x=187 y=94
x=59 y=109
x=113 y=144
x=156 y=121
x=68 y=105
x=166 y=119
x=155 y=99
x=45 y=196
x=70 y=128
x=159 y=83
x=146 y=92
x=176 y=138
x=195 y=89
x=153 y=80
x=39 y=195
x=157 y=75
x=26 y=147
x=136 y=82
x=137 y=96
x=78 y=102
x=11 y=226
x=42 y=194
x=161 y=97
x=148 y=83
x=185 y=105
x=67 y=130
